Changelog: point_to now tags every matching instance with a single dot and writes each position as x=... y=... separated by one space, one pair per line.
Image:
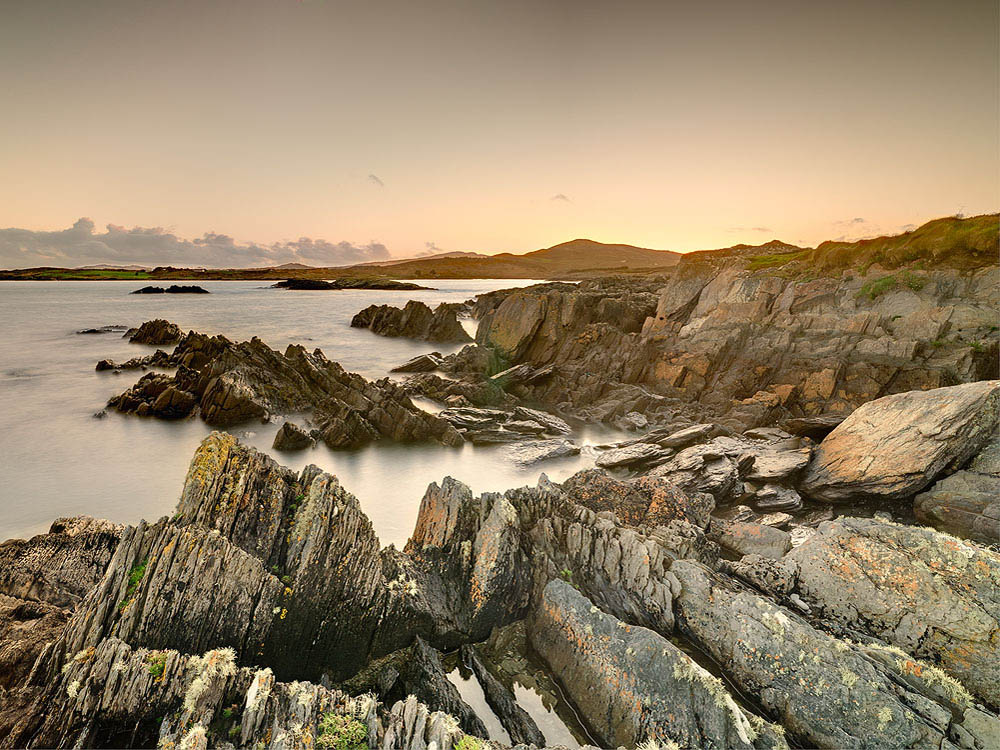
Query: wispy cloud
x=81 y=245
x=561 y=197
x=750 y=229
x=374 y=178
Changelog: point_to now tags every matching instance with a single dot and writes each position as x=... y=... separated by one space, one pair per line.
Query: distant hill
x=294 y=266
x=111 y=267
x=435 y=256
x=576 y=257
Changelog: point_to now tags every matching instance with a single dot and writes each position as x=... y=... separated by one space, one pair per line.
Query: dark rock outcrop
x=291 y=437
x=172 y=289
x=347 y=283
x=871 y=574
x=157 y=332
x=750 y=347
x=416 y=321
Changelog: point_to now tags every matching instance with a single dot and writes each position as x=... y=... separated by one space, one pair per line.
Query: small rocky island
x=172 y=289
x=347 y=283
x=796 y=546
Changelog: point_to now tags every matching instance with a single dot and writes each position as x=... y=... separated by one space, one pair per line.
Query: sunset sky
x=402 y=127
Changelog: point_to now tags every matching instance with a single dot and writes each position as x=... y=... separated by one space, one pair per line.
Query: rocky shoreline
x=265 y=611
x=747 y=570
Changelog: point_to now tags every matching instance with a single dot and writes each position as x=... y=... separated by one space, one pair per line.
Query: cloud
x=155 y=246
x=375 y=179
x=907 y=227
x=751 y=229
x=561 y=197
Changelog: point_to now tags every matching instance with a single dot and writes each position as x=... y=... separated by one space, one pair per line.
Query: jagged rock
x=750 y=538
x=687 y=436
x=105 y=364
x=542 y=450
x=720 y=332
x=416 y=320
x=230 y=383
x=103 y=329
x=634 y=421
x=930 y=594
x=520 y=727
x=421 y=363
x=492 y=437
x=291 y=437
x=895 y=446
x=632 y=684
x=529 y=428
x=157 y=332
x=774 y=577
x=704 y=468
x=115 y=695
x=62 y=566
x=966 y=503
x=639 y=454
x=827 y=693
x=775 y=520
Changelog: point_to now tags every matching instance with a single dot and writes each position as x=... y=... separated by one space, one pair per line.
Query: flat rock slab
x=775 y=465
x=895 y=446
x=542 y=450
x=631 y=455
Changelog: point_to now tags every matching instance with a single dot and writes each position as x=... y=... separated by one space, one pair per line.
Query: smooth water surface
x=58 y=460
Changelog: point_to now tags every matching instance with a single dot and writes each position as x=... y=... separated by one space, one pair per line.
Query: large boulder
x=895 y=446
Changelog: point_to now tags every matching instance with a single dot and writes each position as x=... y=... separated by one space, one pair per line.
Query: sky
x=256 y=131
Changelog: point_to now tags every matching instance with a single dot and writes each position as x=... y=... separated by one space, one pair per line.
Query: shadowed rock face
x=229 y=383
x=416 y=321
x=895 y=446
x=967 y=503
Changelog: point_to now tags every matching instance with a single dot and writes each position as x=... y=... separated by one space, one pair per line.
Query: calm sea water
x=58 y=460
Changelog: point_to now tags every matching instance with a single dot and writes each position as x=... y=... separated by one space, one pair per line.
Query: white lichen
x=73 y=689
x=217 y=664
